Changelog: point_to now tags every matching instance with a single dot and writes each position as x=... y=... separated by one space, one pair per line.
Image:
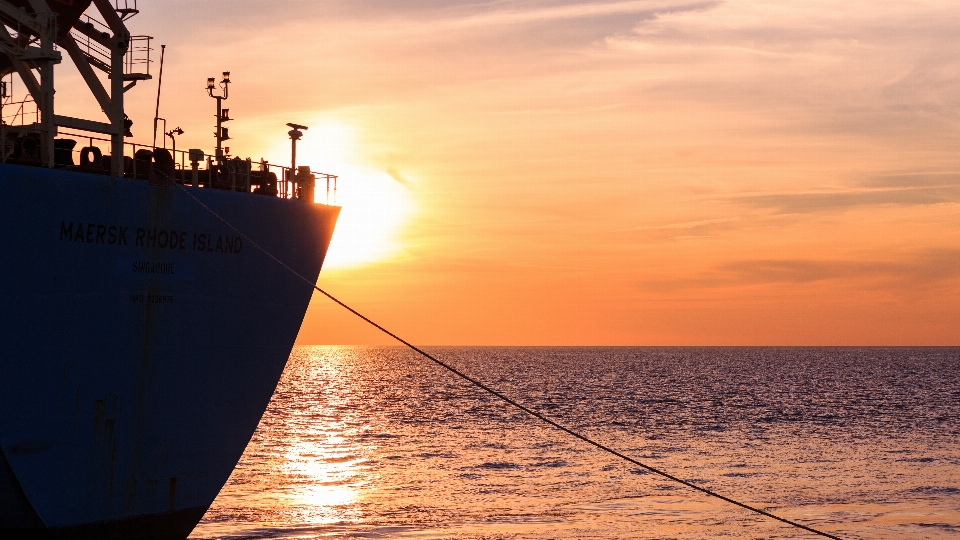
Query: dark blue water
x=377 y=443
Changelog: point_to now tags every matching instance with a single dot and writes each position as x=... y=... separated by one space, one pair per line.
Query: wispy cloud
x=395 y=174
x=910 y=272
x=684 y=224
x=809 y=202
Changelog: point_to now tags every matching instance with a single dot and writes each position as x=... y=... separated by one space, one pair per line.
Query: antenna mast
x=156 y=113
x=223 y=115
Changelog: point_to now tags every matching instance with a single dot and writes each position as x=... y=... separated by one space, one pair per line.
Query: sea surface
x=360 y=442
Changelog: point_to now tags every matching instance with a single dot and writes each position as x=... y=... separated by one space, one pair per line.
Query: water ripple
x=375 y=443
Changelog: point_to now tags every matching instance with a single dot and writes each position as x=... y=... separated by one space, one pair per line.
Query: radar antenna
x=295 y=135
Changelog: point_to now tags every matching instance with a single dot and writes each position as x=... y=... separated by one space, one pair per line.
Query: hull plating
x=140 y=341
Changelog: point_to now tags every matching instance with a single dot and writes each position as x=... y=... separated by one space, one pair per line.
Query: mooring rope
x=501 y=396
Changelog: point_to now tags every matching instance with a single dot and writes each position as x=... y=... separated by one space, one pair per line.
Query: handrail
x=21 y=112
x=138 y=49
x=286 y=188
x=138 y=54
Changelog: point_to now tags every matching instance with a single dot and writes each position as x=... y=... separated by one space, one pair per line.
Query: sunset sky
x=636 y=172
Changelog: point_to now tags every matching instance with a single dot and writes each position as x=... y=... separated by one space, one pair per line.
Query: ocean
x=368 y=442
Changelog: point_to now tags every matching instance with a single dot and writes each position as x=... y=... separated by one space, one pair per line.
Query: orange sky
x=637 y=172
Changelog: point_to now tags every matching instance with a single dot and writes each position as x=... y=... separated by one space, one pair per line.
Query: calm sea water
x=377 y=443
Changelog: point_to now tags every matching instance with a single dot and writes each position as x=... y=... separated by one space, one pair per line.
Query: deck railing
x=286 y=184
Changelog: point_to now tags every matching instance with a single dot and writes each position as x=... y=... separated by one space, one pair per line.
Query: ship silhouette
x=142 y=329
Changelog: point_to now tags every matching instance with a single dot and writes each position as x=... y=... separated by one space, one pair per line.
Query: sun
x=375 y=206
x=374 y=209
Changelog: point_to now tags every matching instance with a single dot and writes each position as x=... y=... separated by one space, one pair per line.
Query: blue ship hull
x=140 y=342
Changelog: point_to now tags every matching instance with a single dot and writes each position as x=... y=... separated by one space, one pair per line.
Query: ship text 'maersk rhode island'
x=142 y=333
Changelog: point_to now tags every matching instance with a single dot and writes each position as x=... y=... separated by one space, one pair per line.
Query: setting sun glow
x=375 y=206
x=611 y=172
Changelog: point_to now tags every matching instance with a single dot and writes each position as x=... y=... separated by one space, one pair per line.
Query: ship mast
x=30 y=34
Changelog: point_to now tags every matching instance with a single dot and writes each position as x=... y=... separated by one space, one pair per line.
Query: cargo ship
x=143 y=326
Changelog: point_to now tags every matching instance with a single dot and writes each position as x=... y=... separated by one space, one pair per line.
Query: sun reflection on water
x=324 y=467
x=327 y=473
